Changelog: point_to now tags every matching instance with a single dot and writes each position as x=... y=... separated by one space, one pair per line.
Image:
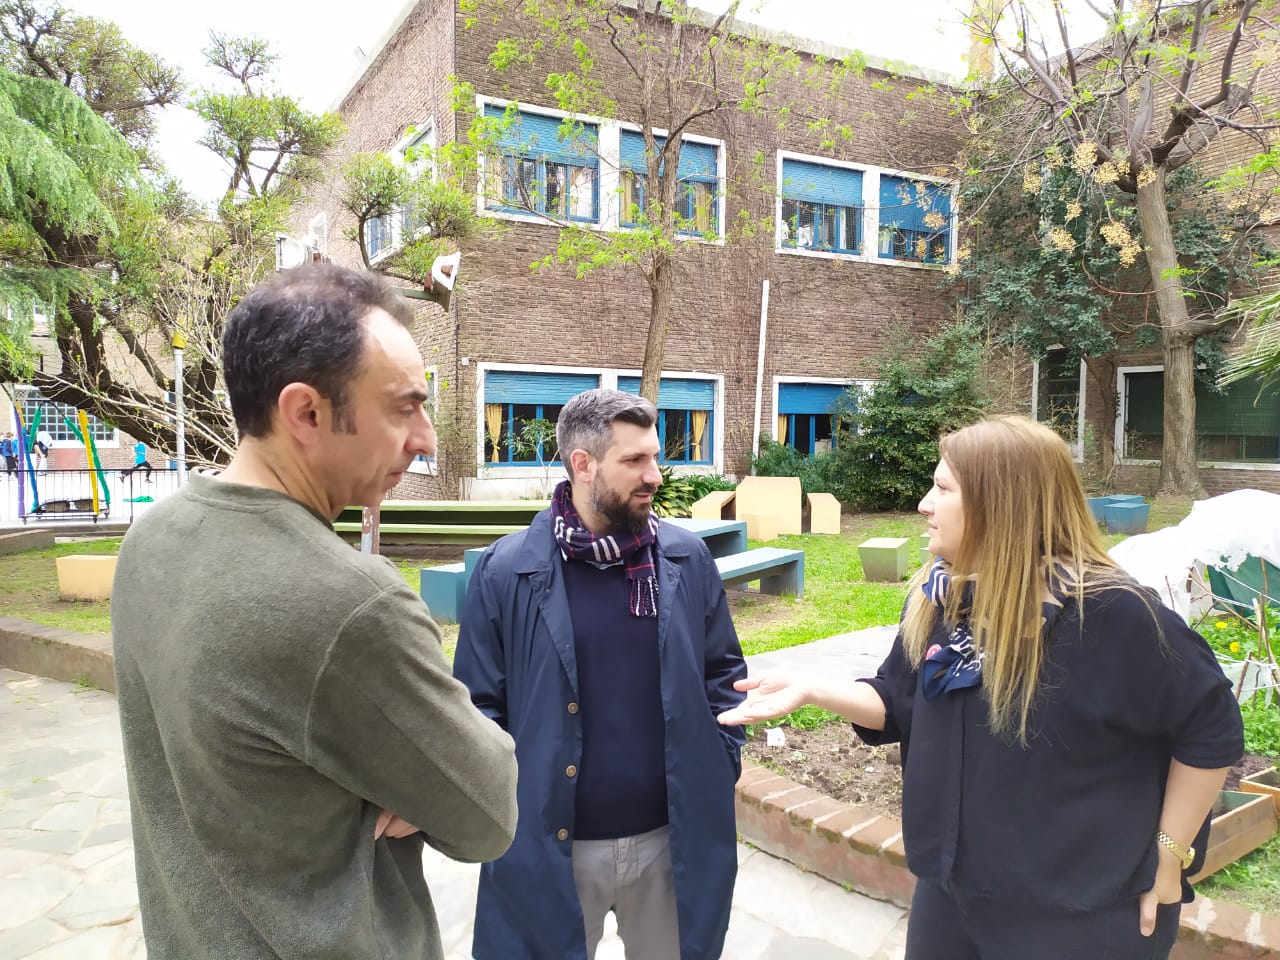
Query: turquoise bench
x=779 y=571
x=722 y=537
x=443 y=589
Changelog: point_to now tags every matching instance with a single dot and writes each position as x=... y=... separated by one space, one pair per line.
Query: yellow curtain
x=699 y=418
x=703 y=198
x=782 y=428
x=493 y=424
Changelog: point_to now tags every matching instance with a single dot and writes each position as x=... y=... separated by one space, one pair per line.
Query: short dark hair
x=586 y=421
x=305 y=325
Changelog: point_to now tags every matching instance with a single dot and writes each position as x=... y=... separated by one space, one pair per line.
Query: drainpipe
x=764 y=323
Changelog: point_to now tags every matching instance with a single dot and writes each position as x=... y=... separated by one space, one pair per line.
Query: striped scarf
x=633 y=550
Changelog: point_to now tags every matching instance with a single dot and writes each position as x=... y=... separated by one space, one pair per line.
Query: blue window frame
x=513 y=398
x=805 y=415
x=696 y=192
x=821 y=207
x=915 y=220
x=544 y=167
x=684 y=417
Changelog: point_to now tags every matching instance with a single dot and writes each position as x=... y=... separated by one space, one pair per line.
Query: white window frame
x=1077 y=448
x=1122 y=397
x=608 y=172
x=871 y=175
x=427 y=465
x=425 y=130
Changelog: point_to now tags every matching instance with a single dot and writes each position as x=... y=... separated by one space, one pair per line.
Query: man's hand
x=1167 y=889
x=393 y=826
x=768 y=696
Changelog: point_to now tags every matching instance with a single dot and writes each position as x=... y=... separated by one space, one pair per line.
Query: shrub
x=887 y=445
x=817 y=473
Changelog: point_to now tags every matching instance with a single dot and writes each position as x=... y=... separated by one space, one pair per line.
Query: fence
x=47 y=496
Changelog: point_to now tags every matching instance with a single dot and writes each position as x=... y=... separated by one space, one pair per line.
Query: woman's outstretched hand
x=768 y=696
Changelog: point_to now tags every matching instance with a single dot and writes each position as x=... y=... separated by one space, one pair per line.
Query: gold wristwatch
x=1184 y=854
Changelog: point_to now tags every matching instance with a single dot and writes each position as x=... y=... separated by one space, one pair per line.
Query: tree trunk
x=661 y=286
x=1179 y=470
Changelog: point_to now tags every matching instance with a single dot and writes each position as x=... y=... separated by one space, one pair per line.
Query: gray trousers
x=631 y=876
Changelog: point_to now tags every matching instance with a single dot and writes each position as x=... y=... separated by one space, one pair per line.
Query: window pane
x=522 y=413
x=1144 y=415
x=1058 y=394
x=557 y=178
x=703 y=197
x=54 y=417
x=676 y=446
x=632 y=198
x=582 y=193
x=522 y=188
x=851 y=232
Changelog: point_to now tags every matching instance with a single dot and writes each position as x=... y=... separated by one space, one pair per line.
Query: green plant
x=817 y=473
x=676 y=496
x=1261 y=726
x=536 y=441
x=887 y=442
x=703 y=483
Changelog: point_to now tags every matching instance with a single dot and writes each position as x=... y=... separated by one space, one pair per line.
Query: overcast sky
x=318 y=43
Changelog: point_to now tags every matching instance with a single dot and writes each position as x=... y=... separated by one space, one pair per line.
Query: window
x=697 y=190
x=821 y=207
x=514 y=398
x=1229 y=427
x=684 y=417
x=54 y=416
x=805 y=415
x=915 y=220
x=544 y=167
x=384 y=234
x=1058 y=394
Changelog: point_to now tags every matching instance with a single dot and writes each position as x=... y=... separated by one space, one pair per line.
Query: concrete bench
x=434 y=533
x=823 y=515
x=85 y=576
x=926 y=557
x=779 y=571
x=716 y=505
x=442 y=589
x=722 y=537
x=884 y=559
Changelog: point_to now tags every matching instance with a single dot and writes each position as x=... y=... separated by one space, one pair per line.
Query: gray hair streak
x=586 y=421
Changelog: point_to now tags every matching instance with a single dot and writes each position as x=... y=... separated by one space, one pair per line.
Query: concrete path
x=67 y=888
x=848 y=655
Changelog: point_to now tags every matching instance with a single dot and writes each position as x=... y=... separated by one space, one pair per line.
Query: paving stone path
x=67 y=889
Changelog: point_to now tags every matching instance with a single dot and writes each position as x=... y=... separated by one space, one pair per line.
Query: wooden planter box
x=1241 y=822
x=1265 y=782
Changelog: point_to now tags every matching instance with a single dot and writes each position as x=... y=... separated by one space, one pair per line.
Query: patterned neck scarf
x=634 y=550
x=957 y=665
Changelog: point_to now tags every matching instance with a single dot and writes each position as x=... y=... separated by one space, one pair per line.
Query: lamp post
x=179 y=344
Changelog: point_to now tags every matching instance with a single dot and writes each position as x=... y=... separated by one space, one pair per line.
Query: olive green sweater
x=277 y=689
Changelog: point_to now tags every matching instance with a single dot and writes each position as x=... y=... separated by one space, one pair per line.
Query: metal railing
x=48 y=496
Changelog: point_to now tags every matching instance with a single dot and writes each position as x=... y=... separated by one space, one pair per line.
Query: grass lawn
x=29 y=588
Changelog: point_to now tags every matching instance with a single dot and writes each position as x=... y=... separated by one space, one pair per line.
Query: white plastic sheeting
x=1219 y=532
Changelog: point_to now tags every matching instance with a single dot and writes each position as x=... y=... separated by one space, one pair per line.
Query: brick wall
x=826 y=318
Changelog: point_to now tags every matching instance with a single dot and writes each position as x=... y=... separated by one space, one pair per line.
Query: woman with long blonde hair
x=1063 y=734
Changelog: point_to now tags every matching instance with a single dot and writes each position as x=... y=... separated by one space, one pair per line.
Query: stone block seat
x=779 y=571
x=442 y=589
x=85 y=576
x=884 y=559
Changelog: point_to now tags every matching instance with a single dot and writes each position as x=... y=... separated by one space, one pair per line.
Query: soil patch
x=833 y=761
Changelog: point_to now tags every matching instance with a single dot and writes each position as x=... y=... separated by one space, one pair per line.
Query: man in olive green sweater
x=292 y=732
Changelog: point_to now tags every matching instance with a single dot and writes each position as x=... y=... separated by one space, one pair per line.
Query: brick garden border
x=845 y=843
x=862 y=849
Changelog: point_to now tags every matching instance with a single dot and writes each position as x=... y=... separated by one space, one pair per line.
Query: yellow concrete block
x=85 y=577
x=824 y=513
x=780 y=496
x=716 y=505
x=761 y=526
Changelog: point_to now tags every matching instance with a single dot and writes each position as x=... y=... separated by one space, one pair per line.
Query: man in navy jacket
x=600 y=639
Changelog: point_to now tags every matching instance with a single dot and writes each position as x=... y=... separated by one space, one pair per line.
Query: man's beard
x=617 y=510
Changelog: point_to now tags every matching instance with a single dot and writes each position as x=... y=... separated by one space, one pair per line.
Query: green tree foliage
x=1124 y=113
x=675 y=67
x=96 y=233
x=887 y=441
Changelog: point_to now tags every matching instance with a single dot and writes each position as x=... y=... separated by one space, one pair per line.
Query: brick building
x=854 y=270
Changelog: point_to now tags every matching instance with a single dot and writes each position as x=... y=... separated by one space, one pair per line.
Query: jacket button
x=571 y=771
x=562 y=834
x=572 y=708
